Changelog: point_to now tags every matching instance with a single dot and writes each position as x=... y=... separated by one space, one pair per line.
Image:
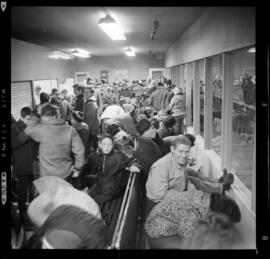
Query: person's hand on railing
x=134 y=169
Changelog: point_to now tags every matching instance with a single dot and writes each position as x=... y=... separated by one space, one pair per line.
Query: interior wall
x=31 y=62
x=137 y=67
x=217 y=30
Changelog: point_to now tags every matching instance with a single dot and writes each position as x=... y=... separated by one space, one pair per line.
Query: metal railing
x=128 y=217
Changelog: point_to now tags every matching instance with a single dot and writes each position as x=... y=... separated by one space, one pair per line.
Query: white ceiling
x=64 y=28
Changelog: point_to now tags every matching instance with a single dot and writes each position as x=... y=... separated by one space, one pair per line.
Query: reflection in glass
x=192 y=85
x=202 y=92
x=244 y=115
x=216 y=77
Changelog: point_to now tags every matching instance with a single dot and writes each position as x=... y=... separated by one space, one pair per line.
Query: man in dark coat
x=22 y=161
x=158 y=97
x=81 y=127
x=78 y=91
x=90 y=114
x=248 y=90
x=146 y=151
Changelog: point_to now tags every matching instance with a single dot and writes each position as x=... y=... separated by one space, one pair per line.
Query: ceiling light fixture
x=108 y=25
x=81 y=53
x=252 y=50
x=60 y=55
x=129 y=52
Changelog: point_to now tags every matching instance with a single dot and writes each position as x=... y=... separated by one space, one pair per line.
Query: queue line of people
x=99 y=139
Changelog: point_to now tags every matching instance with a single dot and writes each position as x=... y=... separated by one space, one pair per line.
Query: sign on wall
x=81 y=77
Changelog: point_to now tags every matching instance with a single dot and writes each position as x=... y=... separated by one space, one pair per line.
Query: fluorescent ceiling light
x=129 y=52
x=252 y=50
x=81 y=53
x=59 y=54
x=54 y=56
x=109 y=26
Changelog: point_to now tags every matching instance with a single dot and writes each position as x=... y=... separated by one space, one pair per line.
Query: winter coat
x=83 y=131
x=164 y=132
x=164 y=147
x=111 y=175
x=90 y=112
x=167 y=99
x=65 y=110
x=178 y=105
x=125 y=92
x=157 y=98
x=165 y=174
x=147 y=152
x=22 y=154
x=249 y=92
x=60 y=148
x=78 y=104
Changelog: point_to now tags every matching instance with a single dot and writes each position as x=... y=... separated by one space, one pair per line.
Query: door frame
x=161 y=69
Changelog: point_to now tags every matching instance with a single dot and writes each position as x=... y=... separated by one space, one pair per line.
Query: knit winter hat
x=78 y=116
x=143 y=125
x=62 y=239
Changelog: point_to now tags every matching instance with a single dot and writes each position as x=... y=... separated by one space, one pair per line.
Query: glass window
x=244 y=114
x=191 y=103
x=40 y=86
x=216 y=79
x=202 y=92
x=182 y=78
x=176 y=76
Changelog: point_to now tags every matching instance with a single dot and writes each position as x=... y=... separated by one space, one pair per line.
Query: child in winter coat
x=110 y=177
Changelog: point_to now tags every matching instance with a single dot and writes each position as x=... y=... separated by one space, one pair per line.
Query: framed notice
x=81 y=77
x=104 y=76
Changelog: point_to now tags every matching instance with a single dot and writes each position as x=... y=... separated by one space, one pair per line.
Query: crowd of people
x=70 y=156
